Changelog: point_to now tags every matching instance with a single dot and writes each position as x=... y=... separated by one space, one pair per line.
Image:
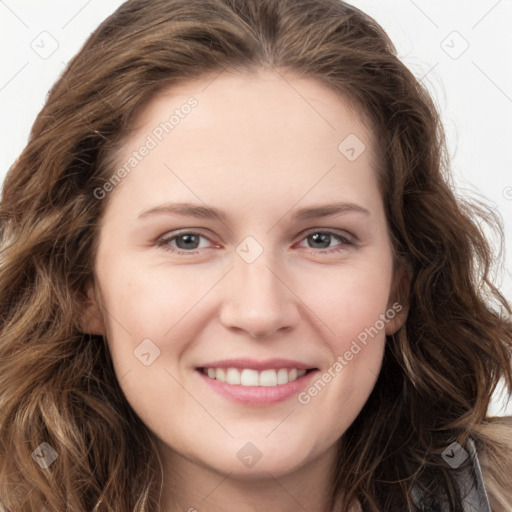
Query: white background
x=472 y=86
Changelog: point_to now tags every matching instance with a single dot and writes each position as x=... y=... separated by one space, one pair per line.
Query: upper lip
x=253 y=364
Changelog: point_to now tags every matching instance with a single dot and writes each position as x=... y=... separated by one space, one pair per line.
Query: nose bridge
x=257 y=280
x=256 y=298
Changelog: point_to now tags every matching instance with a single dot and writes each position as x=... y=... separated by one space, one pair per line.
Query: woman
x=140 y=371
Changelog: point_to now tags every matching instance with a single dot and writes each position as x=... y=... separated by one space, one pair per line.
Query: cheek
x=150 y=301
x=350 y=301
x=150 y=323
x=352 y=304
x=143 y=304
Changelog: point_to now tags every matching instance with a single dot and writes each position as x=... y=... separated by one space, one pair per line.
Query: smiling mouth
x=251 y=378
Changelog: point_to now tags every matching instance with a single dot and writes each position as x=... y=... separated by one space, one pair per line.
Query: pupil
x=321 y=238
x=187 y=239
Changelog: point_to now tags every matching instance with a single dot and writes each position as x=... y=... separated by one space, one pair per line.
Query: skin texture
x=258 y=146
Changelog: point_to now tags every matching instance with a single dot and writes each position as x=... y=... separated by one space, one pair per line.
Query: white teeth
x=250 y=377
x=233 y=376
x=282 y=376
x=268 y=378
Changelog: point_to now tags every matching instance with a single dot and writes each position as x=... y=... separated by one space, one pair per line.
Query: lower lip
x=258 y=395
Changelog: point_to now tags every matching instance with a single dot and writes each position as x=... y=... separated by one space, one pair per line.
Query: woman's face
x=245 y=272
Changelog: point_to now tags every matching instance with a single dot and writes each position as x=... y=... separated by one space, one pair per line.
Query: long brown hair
x=57 y=384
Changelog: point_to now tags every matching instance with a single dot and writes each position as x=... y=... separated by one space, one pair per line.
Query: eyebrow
x=208 y=212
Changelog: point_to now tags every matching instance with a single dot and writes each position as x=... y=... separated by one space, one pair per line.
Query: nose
x=258 y=300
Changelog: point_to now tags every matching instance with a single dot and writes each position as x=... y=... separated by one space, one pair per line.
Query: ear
x=92 y=318
x=398 y=305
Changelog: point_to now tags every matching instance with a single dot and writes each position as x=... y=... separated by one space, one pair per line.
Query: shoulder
x=474 y=494
x=495 y=459
x=480 y=491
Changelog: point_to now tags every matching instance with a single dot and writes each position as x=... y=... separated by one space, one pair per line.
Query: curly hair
x=57 y=384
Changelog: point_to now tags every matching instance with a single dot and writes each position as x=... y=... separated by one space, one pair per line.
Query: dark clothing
x=473 y=494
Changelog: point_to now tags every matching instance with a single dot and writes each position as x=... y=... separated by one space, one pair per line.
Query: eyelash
x=164 y=242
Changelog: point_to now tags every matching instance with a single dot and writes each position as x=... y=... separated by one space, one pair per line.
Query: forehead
x=280 y=109
x=260 y=132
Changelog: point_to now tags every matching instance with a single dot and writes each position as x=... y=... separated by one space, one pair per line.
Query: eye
x=322 y=240
x=183 y=242
x=188 y=242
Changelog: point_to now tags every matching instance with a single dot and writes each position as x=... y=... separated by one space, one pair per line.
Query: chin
x=257 y=459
